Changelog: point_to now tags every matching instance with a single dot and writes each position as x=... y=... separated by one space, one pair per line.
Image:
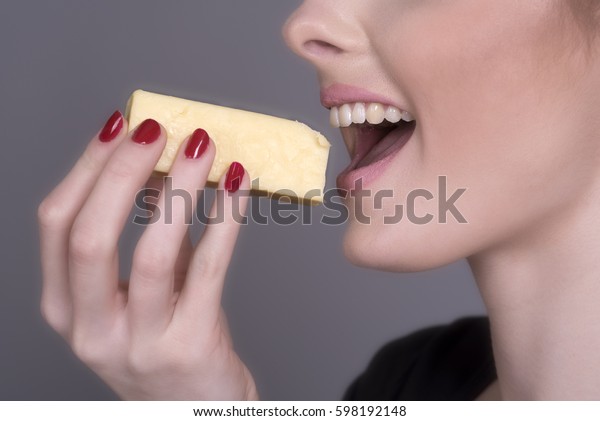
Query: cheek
x=491 y=98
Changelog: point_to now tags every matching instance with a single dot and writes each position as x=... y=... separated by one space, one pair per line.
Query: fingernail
x=234 y=177
x=197 y=144
x=147 y=132
x=112 y=128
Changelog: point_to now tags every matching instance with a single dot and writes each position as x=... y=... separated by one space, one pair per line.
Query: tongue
x=392 y=142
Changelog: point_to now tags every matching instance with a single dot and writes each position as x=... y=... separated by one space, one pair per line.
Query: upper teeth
x=373 y=113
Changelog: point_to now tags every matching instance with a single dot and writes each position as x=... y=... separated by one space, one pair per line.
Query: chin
x=392 y=249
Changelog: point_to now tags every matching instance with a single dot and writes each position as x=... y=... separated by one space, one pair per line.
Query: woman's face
x=505 y=100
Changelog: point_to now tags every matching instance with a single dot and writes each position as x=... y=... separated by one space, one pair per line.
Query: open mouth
x=374 y=131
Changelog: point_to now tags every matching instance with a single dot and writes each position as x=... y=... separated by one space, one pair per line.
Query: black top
x=448 y=362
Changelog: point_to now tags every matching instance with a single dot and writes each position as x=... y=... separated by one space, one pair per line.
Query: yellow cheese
x=284 y=157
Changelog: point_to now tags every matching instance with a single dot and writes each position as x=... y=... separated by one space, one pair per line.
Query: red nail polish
x=147 y=132
x=112 y=127
x=234 y=177
x=197 y=144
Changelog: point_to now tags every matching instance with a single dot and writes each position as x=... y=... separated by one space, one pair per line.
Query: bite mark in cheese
x=287 y=157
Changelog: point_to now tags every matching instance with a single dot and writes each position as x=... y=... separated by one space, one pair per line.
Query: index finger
x=57 y=213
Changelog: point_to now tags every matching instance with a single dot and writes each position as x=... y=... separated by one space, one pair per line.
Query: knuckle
x=206 y=265
x=54 y=316
x=152 y=263
x=186 y=354
x=181 y=361
x=139 y=364
x=164 y=356
x=86 y=245
x=191 y=348
x=90 y=161
x=119 y=169
x=172 y=356
x=51 y=215
x=88 y=351
x=182 y=358
x=145 y=361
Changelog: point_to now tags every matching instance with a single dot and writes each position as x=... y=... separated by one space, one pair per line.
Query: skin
x=164 y=336
x=505 y=94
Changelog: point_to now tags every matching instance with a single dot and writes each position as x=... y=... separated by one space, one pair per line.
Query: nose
x=321 y=30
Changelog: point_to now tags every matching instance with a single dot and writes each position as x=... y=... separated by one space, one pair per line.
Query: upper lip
x=338 y=94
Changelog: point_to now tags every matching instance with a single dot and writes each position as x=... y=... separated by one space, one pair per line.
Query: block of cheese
x=282 y=157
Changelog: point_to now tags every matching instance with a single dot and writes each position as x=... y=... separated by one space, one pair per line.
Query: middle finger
x=152 y=281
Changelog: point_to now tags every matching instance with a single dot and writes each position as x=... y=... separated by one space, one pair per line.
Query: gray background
x=305 y=321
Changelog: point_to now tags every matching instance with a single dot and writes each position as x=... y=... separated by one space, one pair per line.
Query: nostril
x=317 y=47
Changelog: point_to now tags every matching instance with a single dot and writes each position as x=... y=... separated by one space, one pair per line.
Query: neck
x=542 y=293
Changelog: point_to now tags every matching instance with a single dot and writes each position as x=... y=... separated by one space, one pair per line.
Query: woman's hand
x=162 y=335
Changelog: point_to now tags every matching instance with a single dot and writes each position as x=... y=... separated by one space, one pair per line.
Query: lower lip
x=356 y=177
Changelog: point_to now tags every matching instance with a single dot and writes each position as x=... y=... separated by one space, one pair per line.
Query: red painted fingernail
x=234 y=177
x=197 y=144
x=112 y=128
x=147 y=132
